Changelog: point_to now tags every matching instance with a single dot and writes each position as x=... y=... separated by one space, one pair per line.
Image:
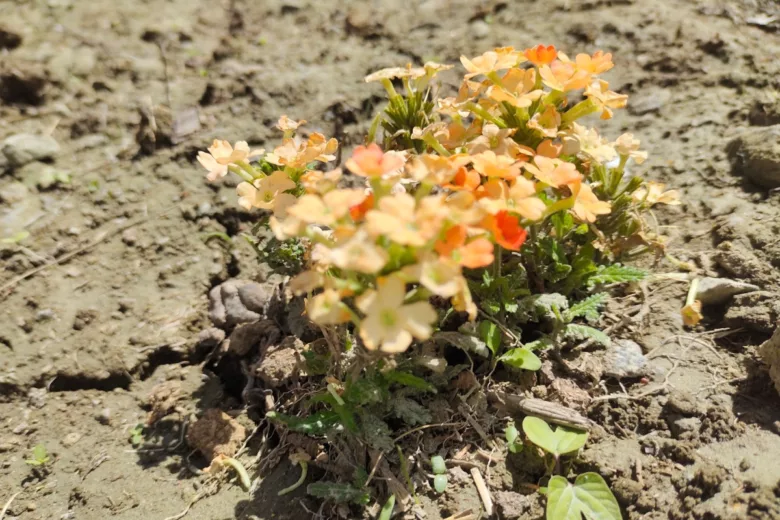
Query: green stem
x=581 y=109
x=692 y=292
x=484 y=114
x=332 y=391
x=241 y=173
x=304 y=471
x=243 y=476
x=436 y=145
x=391 y=93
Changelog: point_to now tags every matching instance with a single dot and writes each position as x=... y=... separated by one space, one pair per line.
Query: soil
x=120 y=223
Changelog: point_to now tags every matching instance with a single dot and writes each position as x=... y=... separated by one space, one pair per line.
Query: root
x=8 y=504
x=299 y=483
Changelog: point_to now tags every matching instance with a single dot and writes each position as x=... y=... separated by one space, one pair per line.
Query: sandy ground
x=131 y=90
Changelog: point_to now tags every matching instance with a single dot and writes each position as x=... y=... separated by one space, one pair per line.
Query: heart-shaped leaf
x=589 y=496
x=559 y=442
x=521 y=358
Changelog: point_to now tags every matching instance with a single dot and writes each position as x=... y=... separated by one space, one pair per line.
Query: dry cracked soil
x=103 y=107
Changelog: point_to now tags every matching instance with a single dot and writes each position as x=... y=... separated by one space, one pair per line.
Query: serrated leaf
x=491 y=335
x=387 y=509
x=440 y=483
x=616 y=273
x=338 y=493
x=363 y=391
x=587 y=308
x=464 y=342
x=542 y=343
x=410 y=380
x=376 y=432
x=541 y=306
x=559 y=442
x=409 y=411
x=576 y=332
x=521 y=358
x=316 y=424
x=589 y=496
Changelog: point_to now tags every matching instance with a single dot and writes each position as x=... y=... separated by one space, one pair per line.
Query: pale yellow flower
x=359 y=253
x=316 y=181
x=626 y=145
x=587 y=206
x=435 y=169
x=221 y=155
x=554 y=172
x=396 y=73
x=492 y=61
x=286 y=228
x=264 y=193
x=517 y=88
x=371 y=161
x=327 y=308
x=491 y=165
x=286 y=124
x=306 y=282
x=604 y=98
x=440 y=275
x=328 y=209
x=653 y=193
x=498 y=140
x=389 y=325
x=547 y=122
x=395 y=218
x=580 y=139
x=297 y=153
x=564 y=76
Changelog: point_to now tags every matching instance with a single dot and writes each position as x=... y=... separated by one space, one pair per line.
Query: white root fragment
x=484 y=493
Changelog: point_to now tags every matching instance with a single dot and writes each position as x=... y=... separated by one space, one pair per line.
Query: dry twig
x=484 y=493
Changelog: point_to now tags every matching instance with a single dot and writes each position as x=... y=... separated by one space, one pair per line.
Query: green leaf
x=16 y=238
x=409 y=411
x=440 y=483
x=559 y=442
x=363 y=391
x=376 y=432
x=387 y=509
x=575 y=332
x=542 y=343
x=338 y=493
x=616 y=273
x=512 y=436
x=410 y=380
x=587 y=308
x=316 y=424
x=541 y=307
x=40 y=456
x=491 y=335
x=438 y=465
x=521 y=358
x=463 y=342
x=589 y=496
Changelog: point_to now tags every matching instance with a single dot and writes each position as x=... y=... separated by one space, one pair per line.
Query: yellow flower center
x=388 y=318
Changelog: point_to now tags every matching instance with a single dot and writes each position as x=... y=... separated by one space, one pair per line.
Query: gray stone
x=758 y=310
x=210 y=338
x=21 y=149
x=241 y=301
x=624 y=358
x=684 y=403
x=756 y=155
x=480 y=29
x=18 y=208
x=714 y=291
x=247 y=337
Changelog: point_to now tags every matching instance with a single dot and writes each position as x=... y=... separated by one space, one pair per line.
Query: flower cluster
x=461 y=185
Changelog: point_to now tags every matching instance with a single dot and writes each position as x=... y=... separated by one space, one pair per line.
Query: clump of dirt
x=216 y=433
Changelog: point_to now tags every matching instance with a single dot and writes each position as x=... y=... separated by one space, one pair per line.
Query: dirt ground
x=131 y=90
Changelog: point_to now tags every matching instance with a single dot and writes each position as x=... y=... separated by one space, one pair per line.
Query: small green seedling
x=387 y=509
x=513 y=440
x=40 y=457
x=440 y=472
x=137 y=435
x=589 y=496
x=559 y=442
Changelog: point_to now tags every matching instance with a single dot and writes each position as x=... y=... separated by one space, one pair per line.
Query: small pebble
x=44 y=315
x=105 y=416
x=71 y=439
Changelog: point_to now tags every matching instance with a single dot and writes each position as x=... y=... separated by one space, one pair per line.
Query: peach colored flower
x=306 y=282
x=358 y=212
x=316 y=181
x=389 y=324
x=604 y=98
x=547 y=122
x=297 y=153
x=359 y=253
x=221 y=155
x=595 y=64
x=627 y=146
x=554 y=172
x=327 y=209
x=436 y=169
x=286 y=124
x=464 y=179
x=548 y=148
x=440 y=275
x=371 y=161
x=404 y=221
x=587 y=206
x=263 y=193
x=474 y=254
x=327 y=308
x=541 y=55
x=564 y=76
x=653 y=193
x=396 y=73
x=491 y=165
x=524 y=201
x=587 y=141
x=491 y=61
x=517 y=87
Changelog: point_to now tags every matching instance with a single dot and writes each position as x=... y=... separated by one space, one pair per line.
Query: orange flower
x=541 y=55
x=491 y=61
x=587 y=206
x=472 y=255
x=491 y=165
x=465 y=179
x=605 y=99
x=495 y=189
x=371 y=161
x=358 y=212
x=554 y=172
x=506 y=230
